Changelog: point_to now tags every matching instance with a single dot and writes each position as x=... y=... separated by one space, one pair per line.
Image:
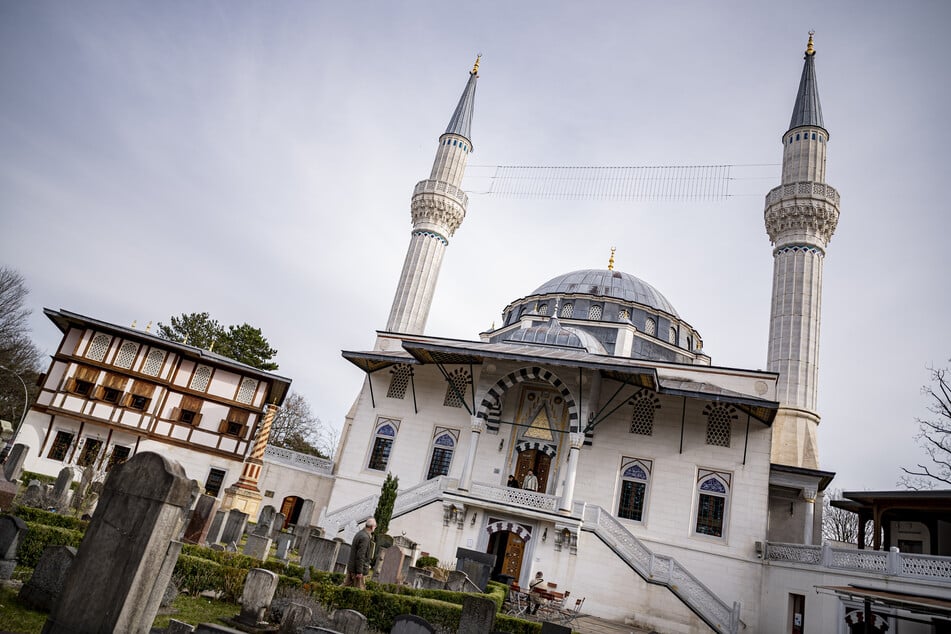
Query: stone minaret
x=801 y=216
x=438 y=208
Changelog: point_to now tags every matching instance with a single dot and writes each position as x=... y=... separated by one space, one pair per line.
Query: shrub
x=232 y=582
x=425 y=561
x=26 y=476
x=39 y=536
x=195 y=574
x=39 y=516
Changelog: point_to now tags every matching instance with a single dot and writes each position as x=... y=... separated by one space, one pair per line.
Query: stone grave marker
x=283 y=545
x=320 y=553
x=8 y=492
x=478 y=615
x=79 y=495
x=259 y=587
x=49 y=577
x=350 y=622
x=234 y=526
x=343 y=557
x=305 y=517
x=13 y=466
x=296 y=615
x=277 y=526
x=411 y=624
x=392 y=565
x=60 y=497
x=178 y=627
x=200 y=521
x=554 y=628
x=217 y=525
x=257 y=546
x=34 y=494
x=12 y=530
x=475 y=564
x=127 y=556
x=265 y=521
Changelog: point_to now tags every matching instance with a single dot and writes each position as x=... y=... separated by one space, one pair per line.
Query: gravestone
x=34 y=495
x=178 y=627
x=8 y=492
x=554 y=628
x=217 y=525
x=411 y=624
x=79 y=494
x=392 y=565
x=259 y=587
x=12 y=530
x=459 y=581
x=305 y=517
x=200 y=521
x=343 y=557
x=60 y=497
x=49 y=578
x=475 y=564
x=320 y=553
x=350 y=622
x=231 y=547
x=13 y=466
x=296 y=615
x=257 y=546
x=277 y=526
x=127 y=556
x=429 y=583
x=265 y=521
x=283 y=545
x=478 y=615
x=234 y=526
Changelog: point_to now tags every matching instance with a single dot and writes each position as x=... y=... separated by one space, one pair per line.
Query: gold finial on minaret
x=148 y=326
x=133 y=324
x=611 y=259
x=475 y=67
x=810 y=50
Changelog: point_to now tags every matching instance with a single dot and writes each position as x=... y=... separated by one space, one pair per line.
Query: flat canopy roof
x=923 y=605
x=929 y=501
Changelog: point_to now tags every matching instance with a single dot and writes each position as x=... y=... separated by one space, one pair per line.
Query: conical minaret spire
x=801 y=216
x=438 y=208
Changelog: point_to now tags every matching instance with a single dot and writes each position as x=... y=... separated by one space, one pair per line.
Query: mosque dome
x=552 y=333
x=607 y=283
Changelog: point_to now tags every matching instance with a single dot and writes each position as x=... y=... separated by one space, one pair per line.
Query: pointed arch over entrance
x=507 y=541
x=491 y=404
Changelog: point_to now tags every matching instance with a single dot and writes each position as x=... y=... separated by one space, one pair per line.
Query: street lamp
x=26 y=404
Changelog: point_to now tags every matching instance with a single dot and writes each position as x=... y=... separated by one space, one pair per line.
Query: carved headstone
x=8 y=492
x=343 y=557
x=259 y=587
x=305 y=517
x=60 y=498
x=265 y=521
x=201 y=518
x=127 y=555
x=283 y=545
x=257 y=546
x=411 y=624
x=295 y=616
x=478 y=615
x=178 y=627
x=350 y=622
x=49 y=577
x=234 y=526
x=13 y=466
x=12 y=530
x=79 y=495
x=392 y=565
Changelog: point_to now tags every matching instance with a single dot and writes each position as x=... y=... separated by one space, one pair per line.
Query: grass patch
x=193 y=610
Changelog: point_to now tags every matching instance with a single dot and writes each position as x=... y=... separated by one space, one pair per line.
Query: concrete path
x=594 y=625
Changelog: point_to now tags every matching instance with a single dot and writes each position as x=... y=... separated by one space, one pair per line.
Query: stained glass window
x=634 y=480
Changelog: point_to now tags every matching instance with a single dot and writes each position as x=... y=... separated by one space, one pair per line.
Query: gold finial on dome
x=475 y=67
x=611 y=259
x=810 y=50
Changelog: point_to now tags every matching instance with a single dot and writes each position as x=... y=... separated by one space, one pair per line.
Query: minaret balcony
x=809 y=189
x=430 y=186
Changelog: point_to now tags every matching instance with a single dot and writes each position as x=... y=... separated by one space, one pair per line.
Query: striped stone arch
x=512 y=527
x=491 y=408
x=544 y=447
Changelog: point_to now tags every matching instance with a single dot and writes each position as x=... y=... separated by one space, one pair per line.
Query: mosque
x=588 y=436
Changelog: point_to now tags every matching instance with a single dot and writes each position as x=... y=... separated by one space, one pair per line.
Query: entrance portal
x=539 y=463
x=291 y=508
x=508 y=549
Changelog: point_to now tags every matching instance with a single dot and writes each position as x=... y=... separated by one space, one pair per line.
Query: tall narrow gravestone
x=13 y=466
x=126 y=559
x=200 y=521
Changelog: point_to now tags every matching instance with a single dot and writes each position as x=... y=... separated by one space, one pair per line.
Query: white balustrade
x=511 y=495
x=873 y=561
x=306 y=462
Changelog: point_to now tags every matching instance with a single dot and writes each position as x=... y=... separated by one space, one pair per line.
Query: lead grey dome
x=605 y=283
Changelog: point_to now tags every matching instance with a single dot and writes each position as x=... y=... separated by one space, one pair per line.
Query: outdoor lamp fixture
x=545 y=534
x=474 y=516
x=501 y=444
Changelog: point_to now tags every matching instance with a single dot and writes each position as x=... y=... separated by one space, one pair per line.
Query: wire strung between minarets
x=663 y=182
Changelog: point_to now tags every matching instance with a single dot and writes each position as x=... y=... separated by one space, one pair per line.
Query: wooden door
x=512 y=560
x=287 y=509
x=536 y=461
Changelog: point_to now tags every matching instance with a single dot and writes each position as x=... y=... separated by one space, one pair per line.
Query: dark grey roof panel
x=807 y=111
x=607 y=283
x=461 y=122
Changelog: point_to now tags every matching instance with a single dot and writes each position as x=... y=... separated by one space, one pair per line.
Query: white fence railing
x=891 y=562
x=518 y=497
x=303 y=461
x=406 y=500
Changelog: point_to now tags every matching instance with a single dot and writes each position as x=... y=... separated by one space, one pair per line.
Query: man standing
x=535 y=589
x=360 y=552
x=531 y=482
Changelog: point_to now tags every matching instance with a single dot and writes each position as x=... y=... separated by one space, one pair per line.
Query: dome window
x=543 y=309
x=650 y=327
x=624 y=315
x=567 y=310
x=672 y=335
x=594 y=312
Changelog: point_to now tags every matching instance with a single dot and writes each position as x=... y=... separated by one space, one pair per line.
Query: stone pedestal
x=243 y=500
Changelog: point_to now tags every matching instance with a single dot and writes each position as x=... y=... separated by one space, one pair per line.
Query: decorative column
x=809 y=495
x=576 y=440
x=244 y=494
x=477 y=426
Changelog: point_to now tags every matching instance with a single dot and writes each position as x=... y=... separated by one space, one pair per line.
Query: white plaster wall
x=287 y=481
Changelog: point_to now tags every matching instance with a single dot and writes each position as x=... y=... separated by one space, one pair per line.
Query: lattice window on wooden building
x=200 y=378
x=126 y=354
x=247 y=389
x=459 y=380
x=153 y=362
x=98 y=347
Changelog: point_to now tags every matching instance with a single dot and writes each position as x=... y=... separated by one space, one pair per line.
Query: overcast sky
x=256 y=159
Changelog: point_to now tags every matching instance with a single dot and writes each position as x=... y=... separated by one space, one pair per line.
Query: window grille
x=456 y=390
x=246 y=392
x=719 y=428
x=642 y=420
x=200 y=378
x=567 y=310
x=153 y=362
x=399 y=380
x=98 y=348
x=126 y=354
x=594 y=312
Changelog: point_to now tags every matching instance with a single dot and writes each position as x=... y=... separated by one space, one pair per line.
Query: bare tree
x=19 y=357
x=934 y=436
x=841 y=525
x=296 y=427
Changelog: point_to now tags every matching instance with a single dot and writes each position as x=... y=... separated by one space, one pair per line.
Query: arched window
x=399 y=379
x=719 y=428
x=713 y=496
x=642 y=420
x=672 y=335
x=624 y=314
x=247 y=389
x=386 y=429
x=650 y=327
x=200 y=378
x=543 y=309
x=126 y=354
x=444 y=444
x=153 y=362
x=98 y=347
x=594 y=312
x=456 y=390
x=635 y=476
x=567 y=310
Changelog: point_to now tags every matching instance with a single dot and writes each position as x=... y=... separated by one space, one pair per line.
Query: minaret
x=801 y=216
x=438 y=208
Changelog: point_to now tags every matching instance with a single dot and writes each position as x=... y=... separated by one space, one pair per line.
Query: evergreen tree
x=384 y=507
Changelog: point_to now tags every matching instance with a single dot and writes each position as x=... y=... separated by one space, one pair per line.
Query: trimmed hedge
x=39 y=516
x=426 y=560
x=238 y=560
x=39 y=536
